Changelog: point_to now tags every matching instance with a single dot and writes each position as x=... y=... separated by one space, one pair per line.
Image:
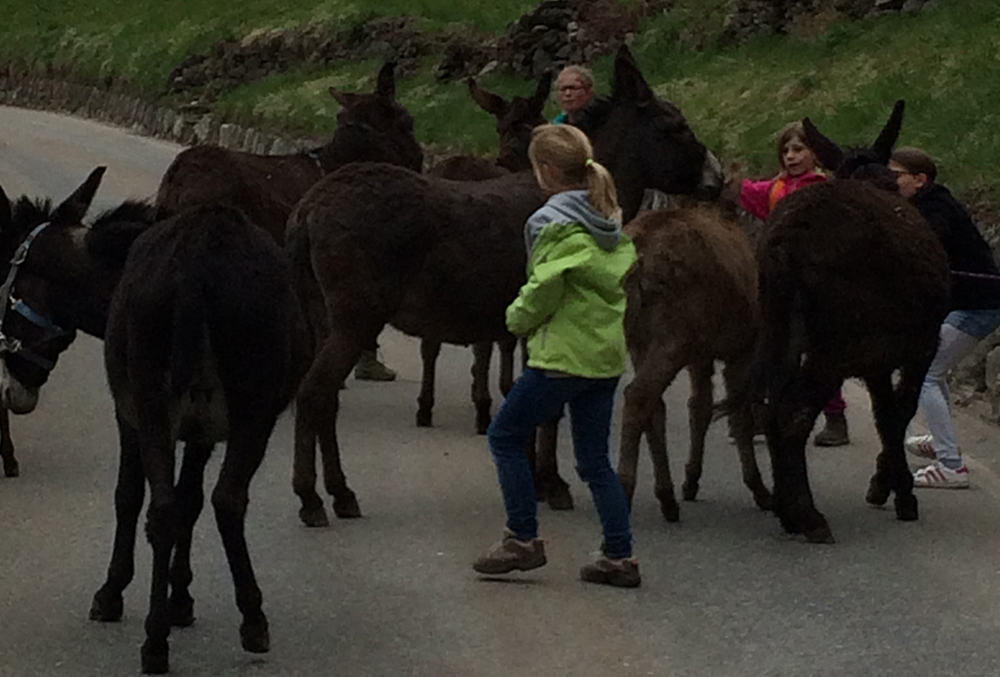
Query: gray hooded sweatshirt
x=573 y=206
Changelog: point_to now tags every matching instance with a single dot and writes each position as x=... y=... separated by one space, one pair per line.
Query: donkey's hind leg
x=130 y=492
x=645 y=412
x=318 y=401
x=10 y=467
x=741 y=428
x=699 y=418
x=893 y=409
x=190 y=500
x=553 y=487
x=482 y=354
x=429 y=351
x=244 y=453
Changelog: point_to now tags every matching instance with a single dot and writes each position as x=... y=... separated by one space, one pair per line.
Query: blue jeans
x=534 y=399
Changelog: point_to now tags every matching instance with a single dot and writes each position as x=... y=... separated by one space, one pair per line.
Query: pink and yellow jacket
x=759 y=197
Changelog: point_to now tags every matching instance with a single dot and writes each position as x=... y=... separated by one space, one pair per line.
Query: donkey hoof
x=670 y=511
x=820 y=535
x=347 y=506
x=107 y=607
x=155 y=658
x=690 y=491
x=11 y=469
x=181 y=610
x=483 y=423
x=255 y=637
x=314 y=517
x=559 y=498
x=425 y=419
x=763 y=500
x=878 y=493
x=906 y=508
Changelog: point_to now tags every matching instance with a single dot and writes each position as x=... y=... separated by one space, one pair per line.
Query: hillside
x=843 y=73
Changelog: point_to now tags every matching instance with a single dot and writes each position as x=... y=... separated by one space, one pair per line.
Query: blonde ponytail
x=569 y=150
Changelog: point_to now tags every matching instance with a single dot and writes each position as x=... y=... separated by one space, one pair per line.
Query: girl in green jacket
x=572 y=311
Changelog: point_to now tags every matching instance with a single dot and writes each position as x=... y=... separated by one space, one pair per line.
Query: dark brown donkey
x=23 y=210
x=373 y=244
x=853 y=283
x=692 y=300
x=204 y=342
x=266 y=188
x=515 y=121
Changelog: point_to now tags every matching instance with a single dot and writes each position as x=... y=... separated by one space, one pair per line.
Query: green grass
x=944 y=62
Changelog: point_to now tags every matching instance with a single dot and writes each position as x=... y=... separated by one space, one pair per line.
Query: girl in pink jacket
x=798 y=169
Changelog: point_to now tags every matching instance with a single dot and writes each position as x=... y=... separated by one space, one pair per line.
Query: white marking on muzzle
x=14 y=397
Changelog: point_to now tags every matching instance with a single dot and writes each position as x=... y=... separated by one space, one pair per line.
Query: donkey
x=373 y=244
x=692 y=300
x=515 y=121
x=24 y=209
x=204 y=342
x=373 y=127
x=853 y=282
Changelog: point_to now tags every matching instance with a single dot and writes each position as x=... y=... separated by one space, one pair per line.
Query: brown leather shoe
x=511 y=554
x=621 y=573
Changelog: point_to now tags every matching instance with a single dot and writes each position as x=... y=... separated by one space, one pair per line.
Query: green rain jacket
x=572 y=308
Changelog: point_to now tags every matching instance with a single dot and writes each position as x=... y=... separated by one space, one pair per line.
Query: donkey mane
x=599 y=112
x=114 y=230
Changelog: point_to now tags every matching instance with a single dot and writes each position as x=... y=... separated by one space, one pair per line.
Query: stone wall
x=187 y=125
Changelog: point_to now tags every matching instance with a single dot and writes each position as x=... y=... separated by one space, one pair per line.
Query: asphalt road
x=724 y=593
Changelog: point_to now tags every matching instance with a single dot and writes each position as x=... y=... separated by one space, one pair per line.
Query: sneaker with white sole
x=938 y=476
x=921 y=446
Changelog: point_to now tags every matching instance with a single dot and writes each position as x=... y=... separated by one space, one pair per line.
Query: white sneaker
x=920 y=445
x=937 y=476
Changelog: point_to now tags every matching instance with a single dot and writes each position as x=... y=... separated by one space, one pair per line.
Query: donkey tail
x=780 y=342
x=189 y=336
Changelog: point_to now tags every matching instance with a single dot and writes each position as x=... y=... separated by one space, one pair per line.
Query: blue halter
x=12 y=345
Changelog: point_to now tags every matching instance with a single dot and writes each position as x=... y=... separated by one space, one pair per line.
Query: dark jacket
x=967 y=251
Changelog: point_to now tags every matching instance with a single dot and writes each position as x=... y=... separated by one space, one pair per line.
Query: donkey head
x=869 y=163
x=646 y=142
x=44 y=301
x=374 y=127
x=515 y=120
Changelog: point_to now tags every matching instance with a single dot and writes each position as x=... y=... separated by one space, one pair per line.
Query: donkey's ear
x=887 y=137
x=387 y=81
x=5 y=214
x=345 y=99
x=73 y=208
x=629 y=83
x=827 y=152
x=492 y=103
x=542 y=91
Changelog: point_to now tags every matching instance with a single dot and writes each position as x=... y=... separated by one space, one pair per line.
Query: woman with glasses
x=575 y=87
x=975 y=312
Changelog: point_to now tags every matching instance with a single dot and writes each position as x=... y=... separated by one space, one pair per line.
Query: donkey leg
x=699 y=418
x=742 y=425
x=244 y=453
x=891 y=470
x=312 y=513
x=555 y=488
x=157 y=455
x=190 y=500
x=795 y=412
x=10 y=467
x=429 y=351
x=507 y=348
x=482 y=354
x=332 y=365
x=655 y=369
x=130 y=492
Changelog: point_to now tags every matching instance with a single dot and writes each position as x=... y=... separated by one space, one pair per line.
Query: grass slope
x=944 y=62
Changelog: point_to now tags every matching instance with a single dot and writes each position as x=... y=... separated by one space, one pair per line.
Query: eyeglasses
x=571 y=88
x=901 y=172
